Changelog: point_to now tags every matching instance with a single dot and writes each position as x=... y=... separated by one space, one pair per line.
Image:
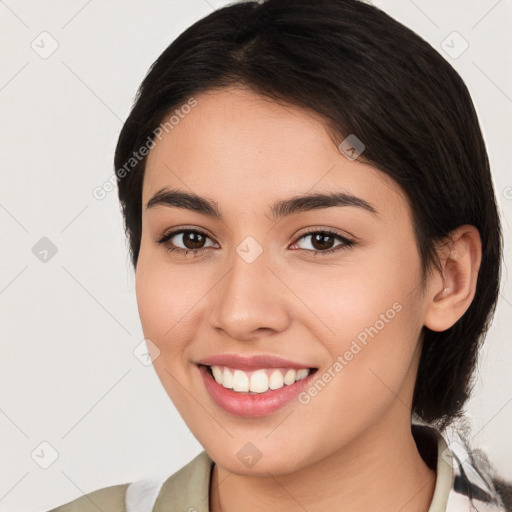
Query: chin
x=245 y=459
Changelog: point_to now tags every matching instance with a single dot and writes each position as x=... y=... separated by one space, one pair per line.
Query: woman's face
x=264 y=284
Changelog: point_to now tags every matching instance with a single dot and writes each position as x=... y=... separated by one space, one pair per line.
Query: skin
x=245 y=152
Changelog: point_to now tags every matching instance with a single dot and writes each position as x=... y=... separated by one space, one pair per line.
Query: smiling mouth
x=257 y=381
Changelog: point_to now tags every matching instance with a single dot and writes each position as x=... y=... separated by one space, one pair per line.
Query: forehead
x=240 y=147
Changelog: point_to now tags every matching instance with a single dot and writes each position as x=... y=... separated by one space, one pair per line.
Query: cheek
x=367 y=314
x=371 y=289
x=370 y=354
x=166 y=296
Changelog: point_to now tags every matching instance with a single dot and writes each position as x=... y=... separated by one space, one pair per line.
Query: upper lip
x=240 y=362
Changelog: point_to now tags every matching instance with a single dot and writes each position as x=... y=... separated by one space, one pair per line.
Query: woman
x=312 y=221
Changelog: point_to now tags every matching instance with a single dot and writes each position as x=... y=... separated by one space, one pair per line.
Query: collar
x=460 y=484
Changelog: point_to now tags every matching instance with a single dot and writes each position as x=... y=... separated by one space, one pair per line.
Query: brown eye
x=324 y=242
x=321 y=241
x=186 y=240
x=193 y=240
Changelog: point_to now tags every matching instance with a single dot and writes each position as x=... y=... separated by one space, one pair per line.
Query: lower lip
x=252 y=406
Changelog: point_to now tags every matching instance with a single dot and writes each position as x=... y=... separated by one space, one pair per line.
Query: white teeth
x=218 y=374
x=302 y=374
x=258 y=381
x=227 y=378
x=289 y=378
x=276 y=380
x=240 y=381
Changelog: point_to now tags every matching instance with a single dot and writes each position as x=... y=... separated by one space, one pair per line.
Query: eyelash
x=346 y=243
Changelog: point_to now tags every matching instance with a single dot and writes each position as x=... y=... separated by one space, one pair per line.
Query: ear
x=450 y=294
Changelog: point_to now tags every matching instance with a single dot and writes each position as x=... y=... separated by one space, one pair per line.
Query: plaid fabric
x=471 y=489
x=464 y=483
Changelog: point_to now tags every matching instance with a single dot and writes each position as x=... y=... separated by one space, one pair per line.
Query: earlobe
x=451 y=293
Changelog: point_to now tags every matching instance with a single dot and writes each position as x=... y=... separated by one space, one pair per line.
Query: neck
x=380 y=470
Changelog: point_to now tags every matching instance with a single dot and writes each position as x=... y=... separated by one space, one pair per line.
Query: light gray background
x=69 y=325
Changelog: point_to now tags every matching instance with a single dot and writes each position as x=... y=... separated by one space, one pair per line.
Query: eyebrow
x=280 y=209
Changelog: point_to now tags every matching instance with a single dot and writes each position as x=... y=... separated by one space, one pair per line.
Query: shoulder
x=187 y=488
x=107 y=499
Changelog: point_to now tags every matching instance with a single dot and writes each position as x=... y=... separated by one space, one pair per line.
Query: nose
x=250 y=301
